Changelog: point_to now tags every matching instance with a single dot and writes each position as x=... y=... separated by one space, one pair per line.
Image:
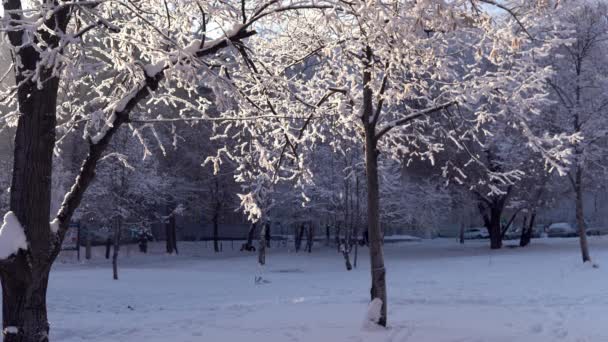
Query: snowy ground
x=438 y=291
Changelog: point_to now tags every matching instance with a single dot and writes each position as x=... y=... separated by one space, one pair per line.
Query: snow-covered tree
x=98 y=65
x=391 y=77
x=580 y=90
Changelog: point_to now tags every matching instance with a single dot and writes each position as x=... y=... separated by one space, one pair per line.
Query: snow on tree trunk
x=374 y=314
x=25 y=277
x=378 y=272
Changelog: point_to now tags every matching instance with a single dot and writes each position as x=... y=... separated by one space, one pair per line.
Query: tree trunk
x=250 y=235
x=580 y=217
x=171 y=235
x=262 y=246
x=168 y=238
x=376 y=254
x=309 y=238
x=24 y=277
x=491 y=214
x=495 y=231
x=357 y=223
x=527 y=230
x=378 y=272
x=337 y=237
x=216 y=232
x=461 y=235
x=24 y=313
x=299 y=237
x=117 y=232
x=108 y=246
x=346 y=254
x=267 y=235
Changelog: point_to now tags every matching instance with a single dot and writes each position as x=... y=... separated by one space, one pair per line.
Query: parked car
x=596 y=231
x=561 y=229
x=476 y=233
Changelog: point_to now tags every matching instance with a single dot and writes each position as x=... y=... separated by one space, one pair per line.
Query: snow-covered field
x=438 y=291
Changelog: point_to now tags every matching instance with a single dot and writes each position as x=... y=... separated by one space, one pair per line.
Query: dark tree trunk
x=117 y=232
x=168 y=237
x=376 y=254
x=310 y=238
x=461 y=235
x=108 y=246
x=491 y=212
x=216 y=231
x=527 y=230
x=299 y=237
x=349 y=266
x=171 y=235
x=24 y=277
x=357 y=222
x=337 y=237
x=24 y=302
x=267 y=235
x=580 y=216
x=494 y=229
x=250 y=235
x=327 y=235
x=262 y=246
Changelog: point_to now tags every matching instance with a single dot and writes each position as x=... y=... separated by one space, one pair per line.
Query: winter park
x=304 y=170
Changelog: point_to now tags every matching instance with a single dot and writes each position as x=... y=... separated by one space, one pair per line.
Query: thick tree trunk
x=24 y=313
x=491 y=212
x=376 y=254
x=580 y=217
x=495 y=230
x=24 y=277
x=117 y=232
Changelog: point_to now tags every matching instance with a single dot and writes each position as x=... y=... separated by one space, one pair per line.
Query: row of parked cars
x=558 y=229
x=101 y=235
